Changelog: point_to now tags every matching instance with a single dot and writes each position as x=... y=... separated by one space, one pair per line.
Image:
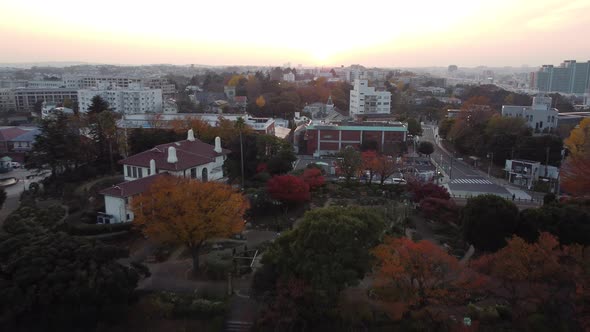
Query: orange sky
x=272 y=32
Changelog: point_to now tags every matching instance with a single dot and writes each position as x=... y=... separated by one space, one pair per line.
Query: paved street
x=462 y=179
x=13 y=192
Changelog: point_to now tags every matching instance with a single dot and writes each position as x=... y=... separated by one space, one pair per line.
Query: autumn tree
x=441 y=210
x=370 y=163
x=189 y=212
x=579 y=140
x=288 y=189
x=421 y=191
x=386 y=166
x=313 y=177
x=536 y=277
x=349 y=162
x=419 y=276
x=444 y=127
x=575 y=174
x=476 y=102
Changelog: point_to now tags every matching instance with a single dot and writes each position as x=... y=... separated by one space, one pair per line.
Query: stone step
x=237 y=326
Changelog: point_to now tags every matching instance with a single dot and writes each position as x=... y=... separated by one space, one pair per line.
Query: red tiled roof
x=189 y=154
x=7 y=134
x=132 y=188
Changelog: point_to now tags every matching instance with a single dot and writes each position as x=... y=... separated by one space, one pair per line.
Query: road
x=463 y=179
x=14 y=192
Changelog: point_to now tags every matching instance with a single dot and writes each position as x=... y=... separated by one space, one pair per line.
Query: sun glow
x=266 y=33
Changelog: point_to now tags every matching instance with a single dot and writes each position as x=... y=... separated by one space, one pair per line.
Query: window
x=128 y=170
x=135 y=172
x=140 y=172
x=204 y=175
x=193 y=173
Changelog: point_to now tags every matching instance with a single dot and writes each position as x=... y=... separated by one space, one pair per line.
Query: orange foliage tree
x=575 y=174
x=419 y=276
x=370 y=163
x=189 y=212
x=536 y=276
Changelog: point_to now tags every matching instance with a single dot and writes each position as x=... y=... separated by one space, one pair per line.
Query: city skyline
x=417 y=34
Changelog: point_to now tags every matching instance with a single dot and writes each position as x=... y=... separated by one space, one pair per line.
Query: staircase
x=237 y=326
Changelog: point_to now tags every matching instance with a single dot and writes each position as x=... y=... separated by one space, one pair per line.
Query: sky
x=417 y=33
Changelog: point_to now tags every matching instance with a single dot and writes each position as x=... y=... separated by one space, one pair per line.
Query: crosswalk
x=471 y=181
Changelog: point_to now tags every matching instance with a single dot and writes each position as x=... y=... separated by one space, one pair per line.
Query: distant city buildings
x=570 y=77
x=368 y=100
x=130 y=100
x=7 y=100
x=26 y=98
x=540 y=116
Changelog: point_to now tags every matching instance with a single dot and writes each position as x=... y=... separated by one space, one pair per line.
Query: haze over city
x=260 y=32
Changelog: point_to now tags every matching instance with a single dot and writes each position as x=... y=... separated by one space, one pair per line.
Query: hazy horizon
x=262 y=33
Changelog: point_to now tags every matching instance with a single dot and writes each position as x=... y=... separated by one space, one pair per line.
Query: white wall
x=116 y=207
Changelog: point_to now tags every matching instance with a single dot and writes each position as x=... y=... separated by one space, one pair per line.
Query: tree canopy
x=189 y=212
x=426 y=148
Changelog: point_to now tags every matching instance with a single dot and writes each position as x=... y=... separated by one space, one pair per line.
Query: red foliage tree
x=288 y=189
x=386 y=167
x=576 y=174
x=262 y=167
x=423 y=190
x=314 y=178
x=441 y=210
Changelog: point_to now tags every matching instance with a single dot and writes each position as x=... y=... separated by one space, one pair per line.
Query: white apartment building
x=131 y=100
x=88 y=82
x=7 y=100
x=26 y=98
x=367 y=100
x=539 y=116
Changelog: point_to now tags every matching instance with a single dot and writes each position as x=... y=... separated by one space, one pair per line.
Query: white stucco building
x=367 y=100
x=131 y=100
x=190 y=158
x=539 y=116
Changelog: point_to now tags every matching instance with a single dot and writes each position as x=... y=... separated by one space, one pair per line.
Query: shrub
x=218 y=265
x=96 y=229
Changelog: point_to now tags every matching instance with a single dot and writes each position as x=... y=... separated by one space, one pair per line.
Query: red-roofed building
x=190 y=158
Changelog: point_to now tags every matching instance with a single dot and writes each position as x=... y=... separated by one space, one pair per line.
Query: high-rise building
x=570 y=77
x=367 y=100
x=131 y=100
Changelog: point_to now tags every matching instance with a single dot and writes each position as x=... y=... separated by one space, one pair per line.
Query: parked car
x=15 y=164
x=395 y=181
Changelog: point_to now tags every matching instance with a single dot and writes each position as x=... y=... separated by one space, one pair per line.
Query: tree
x=386 y=166
x=414 y=276
x=421 y=191
x=329 y=250
x=426 y=148
x=58 y=146
x=54 y=281
x=97 y=105
x=260 y=101
x=288 y=189
x=488 y=220
x=141 y=139
x=441 y=210
x=349 y=162
x=579 y=140
x=313 y=177
x=2 y=197
x=575 y=174
x=444 y=127
x=568 y=222
x=414 y=127
x=103 y=130
x=532 y=277
x=189 y=212
x=370 y=163
x=239 y=125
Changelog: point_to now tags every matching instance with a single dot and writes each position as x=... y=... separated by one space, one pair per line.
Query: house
x=526 y=172
x=540 y=116
x=190 y=158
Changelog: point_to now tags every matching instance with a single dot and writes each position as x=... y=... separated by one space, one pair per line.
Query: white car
x=15 y=164
x=395 y=181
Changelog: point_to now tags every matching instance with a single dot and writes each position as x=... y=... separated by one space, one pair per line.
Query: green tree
x=58 y=146
x=144 y=139
x=488 y=220
x=54 y=281
x=349 y=162
x=103 y=131
x=329 y=250
x=97 y=105
x=444 y=127
x=414 y=127
x=570 y=223
x=426 y=148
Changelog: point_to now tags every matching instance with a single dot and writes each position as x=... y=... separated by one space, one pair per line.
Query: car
x=15 y=164
x=395 y=181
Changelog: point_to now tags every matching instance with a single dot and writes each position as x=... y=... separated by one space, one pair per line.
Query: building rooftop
x=354 y=127
x=132 y=188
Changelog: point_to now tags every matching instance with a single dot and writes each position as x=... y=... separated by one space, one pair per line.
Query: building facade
x=540 y=116
x=7 y=100
x=570 y=77
x=367 y=100
x=26 y=98
x=131 y=100
x=330 y=139
x=190 y=158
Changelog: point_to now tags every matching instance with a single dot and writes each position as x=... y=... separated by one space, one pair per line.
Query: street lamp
x=491 y=156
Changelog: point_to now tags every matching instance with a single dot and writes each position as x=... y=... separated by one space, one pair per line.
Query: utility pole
x=451 y=170
x=490 y=163
x=547 y=160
